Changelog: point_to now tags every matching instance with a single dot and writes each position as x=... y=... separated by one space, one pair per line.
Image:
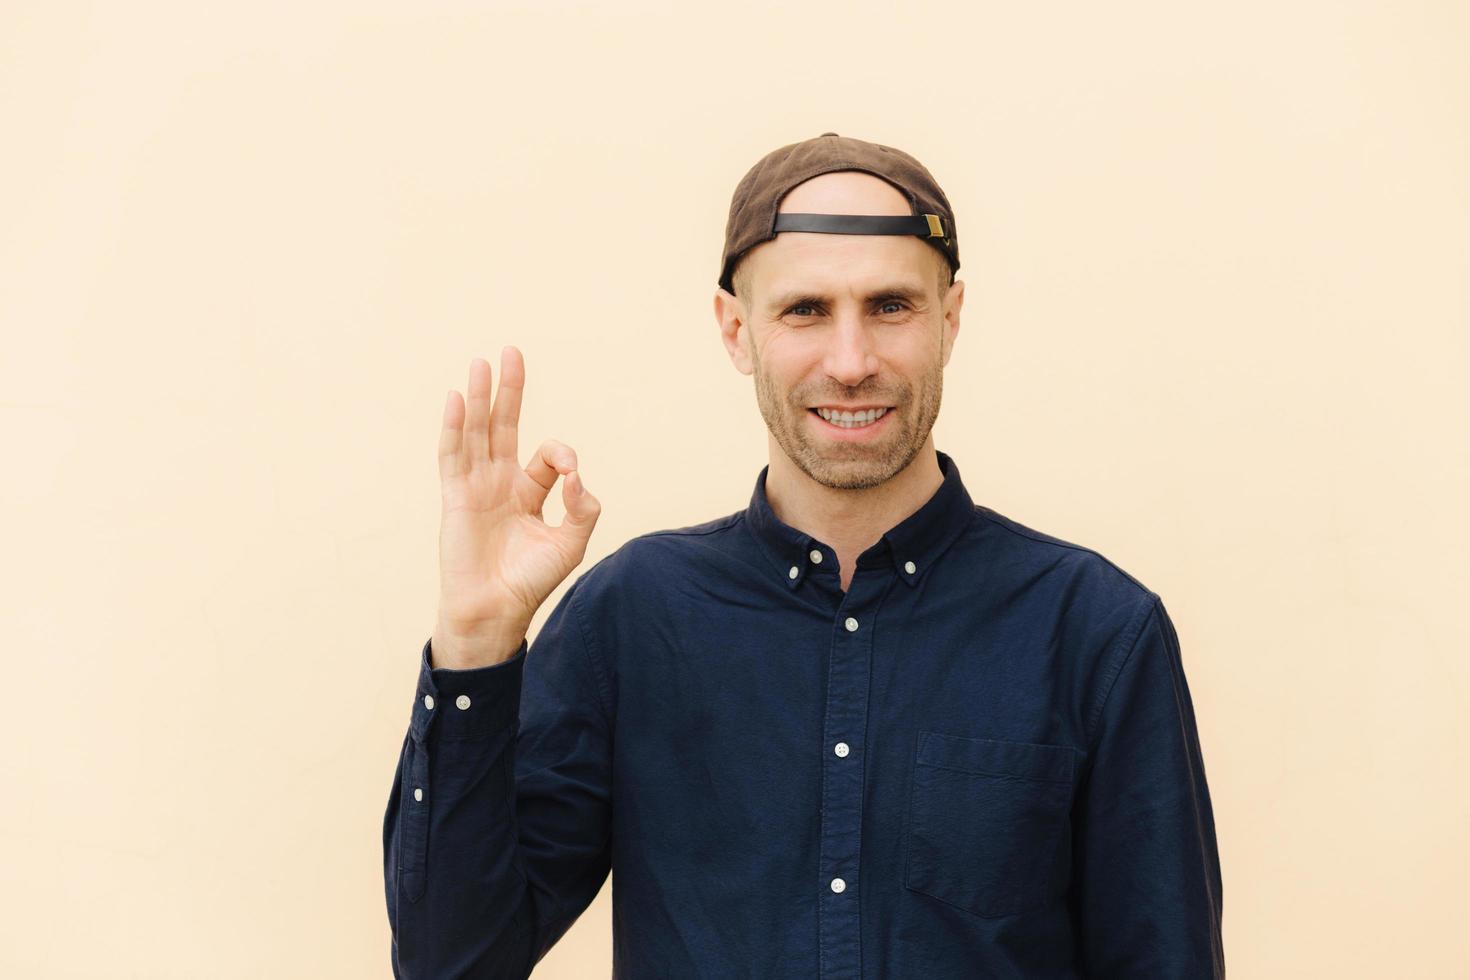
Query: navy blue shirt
x=981 y=760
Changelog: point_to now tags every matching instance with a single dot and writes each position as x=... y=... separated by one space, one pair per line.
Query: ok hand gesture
x=498 y=559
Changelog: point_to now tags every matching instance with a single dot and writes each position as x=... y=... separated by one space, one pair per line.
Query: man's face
x=844 y=322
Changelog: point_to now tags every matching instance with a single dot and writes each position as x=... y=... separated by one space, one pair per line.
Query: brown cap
x=753 y=216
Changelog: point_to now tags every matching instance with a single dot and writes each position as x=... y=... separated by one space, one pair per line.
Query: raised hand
x=498 y=559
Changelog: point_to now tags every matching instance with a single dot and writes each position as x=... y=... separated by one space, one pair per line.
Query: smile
x=851 y=419
x=869 y=419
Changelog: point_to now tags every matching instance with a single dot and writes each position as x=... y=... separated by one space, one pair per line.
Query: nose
x=851 y=357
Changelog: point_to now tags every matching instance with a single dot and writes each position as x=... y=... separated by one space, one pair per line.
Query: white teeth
x=851 y=420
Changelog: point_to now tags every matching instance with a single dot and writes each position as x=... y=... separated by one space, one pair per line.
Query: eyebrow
x=912 y=294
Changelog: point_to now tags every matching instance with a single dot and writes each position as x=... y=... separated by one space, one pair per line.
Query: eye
x=893 y=302
x=801 y=306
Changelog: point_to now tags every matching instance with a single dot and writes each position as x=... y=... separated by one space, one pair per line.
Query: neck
x=851 y=521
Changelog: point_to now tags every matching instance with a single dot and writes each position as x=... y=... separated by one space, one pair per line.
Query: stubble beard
x=851 y=465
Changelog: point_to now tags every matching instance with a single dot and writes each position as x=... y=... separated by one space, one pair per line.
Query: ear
x=730 y=316
x=953 y=300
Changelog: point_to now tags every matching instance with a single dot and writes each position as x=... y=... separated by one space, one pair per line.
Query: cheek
x=785 y=367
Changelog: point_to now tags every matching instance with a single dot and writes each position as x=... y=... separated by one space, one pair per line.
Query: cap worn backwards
x=754 y=217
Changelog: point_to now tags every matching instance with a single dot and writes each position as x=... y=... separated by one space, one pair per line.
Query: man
x=864 y=727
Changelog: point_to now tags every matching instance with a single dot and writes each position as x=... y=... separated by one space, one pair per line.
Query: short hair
x=740 y=277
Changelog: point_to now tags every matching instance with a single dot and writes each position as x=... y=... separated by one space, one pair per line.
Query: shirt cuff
x=466 y=703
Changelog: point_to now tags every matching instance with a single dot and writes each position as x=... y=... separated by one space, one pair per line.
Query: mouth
x=854 y=423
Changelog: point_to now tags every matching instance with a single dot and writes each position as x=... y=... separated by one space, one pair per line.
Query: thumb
x=581 y=508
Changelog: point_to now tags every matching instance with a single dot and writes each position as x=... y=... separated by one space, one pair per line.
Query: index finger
x=505 y=416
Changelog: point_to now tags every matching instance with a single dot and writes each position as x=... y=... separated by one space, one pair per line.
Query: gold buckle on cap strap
x=923 y=225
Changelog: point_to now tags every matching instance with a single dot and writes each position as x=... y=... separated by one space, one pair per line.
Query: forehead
x=840 y=265
x=827 y=266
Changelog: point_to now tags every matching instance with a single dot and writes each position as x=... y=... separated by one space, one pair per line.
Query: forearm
x=458 y=904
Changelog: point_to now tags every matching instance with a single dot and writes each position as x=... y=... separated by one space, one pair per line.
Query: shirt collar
x=912 y=545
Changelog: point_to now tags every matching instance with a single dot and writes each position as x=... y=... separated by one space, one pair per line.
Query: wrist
x=467 y=646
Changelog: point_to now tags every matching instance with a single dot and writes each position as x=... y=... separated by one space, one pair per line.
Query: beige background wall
x=1216 y=328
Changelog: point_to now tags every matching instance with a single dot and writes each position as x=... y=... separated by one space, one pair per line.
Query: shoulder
x=692 y=535
x=692 y=541
x=1099 y=607
x=648 y=559
x=1036 y=552
x=1096 y=602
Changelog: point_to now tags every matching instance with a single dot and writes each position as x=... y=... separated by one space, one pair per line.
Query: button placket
x=848 y=679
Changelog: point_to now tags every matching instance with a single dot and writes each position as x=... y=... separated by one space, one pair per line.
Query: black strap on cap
x=923 y=225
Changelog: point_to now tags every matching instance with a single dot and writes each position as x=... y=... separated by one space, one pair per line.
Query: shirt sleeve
x=497 y=831
x=1147 y=887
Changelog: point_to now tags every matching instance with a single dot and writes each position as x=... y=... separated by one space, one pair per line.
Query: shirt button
x=841 y=749
x=462 y=702
x=838 y=884
x=793 y=573
x=418 y=794
x=816 y=557
x=908 y=566
x=429 y=701
x=851 y=625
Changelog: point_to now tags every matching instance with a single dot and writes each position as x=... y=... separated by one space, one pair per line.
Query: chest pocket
x=988 y=822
